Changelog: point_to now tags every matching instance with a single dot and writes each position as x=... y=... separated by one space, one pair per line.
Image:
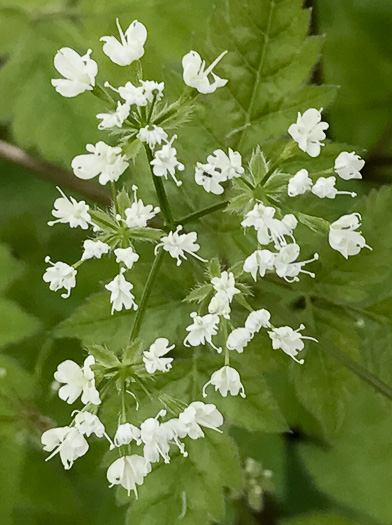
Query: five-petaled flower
x=79 y=72
x=130 y=48
x=308 y=131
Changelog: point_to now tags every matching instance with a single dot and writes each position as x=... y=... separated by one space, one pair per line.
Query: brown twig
x=51 y=173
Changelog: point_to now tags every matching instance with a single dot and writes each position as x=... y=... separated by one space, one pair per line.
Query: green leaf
x=258 y=165
x=103 y=355
x=198 y=294
x=16 y=324
x=10 y=268
x=319 y=518
x=316 y=224
x=214 y=268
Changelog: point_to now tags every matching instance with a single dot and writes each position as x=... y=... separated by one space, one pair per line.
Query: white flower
x=68 y=210
x=121 y=296
x=155 y=438
x=289 y=340
x=299 y=184
x=77 y=381
x=238 y=339
x=94 y=249
x=201 y=330
x=131 y=94
x=175 y=430
x=344 y=238
x=225 y=285
x=286 y=267
x=230 y=165
x=179 y=244
x=308 y=132
x=153 y=89
x=199 y=414
x=269 y=229
x=66 y=441
x=102 y=160
x=152 y=135
x=126 y=256
x=60 y=275
x=348 y=165
x=88 y=423
x=226 y=380
x=79 y=72
x=208 y=177
x=324 y=187
x=128 y=471
x=115 y=118
x=130 y=48
x=125 y=434
x=259 y=262
x=257 y=320
x=195 y=74
x=165 y=161
x=153 y=357
x=220 y=305
x=138 y=214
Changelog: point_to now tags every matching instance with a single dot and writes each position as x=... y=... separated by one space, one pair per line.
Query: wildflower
x=201 y=330
x=196 y=76
x=225 y=285
x=130 y=48
x=114 y=119
x=68 y=210
x=286 y=267
x=77 y=381
x=121 y=296
x=226 y=380
x=152 y=135
x=88 y=423
x=60 y=275
x=138 y=214
x=133 y=95
x=94 y=249
x=66 y=441
x=208 y=177
x=229 y=165
x=299 y=184
x=125 y=434
x=238 y=339
x=289 y=340
x=153 y=357
x=258 y=217
x=79 y=72
x=348 y=165
x=325 y=187
x=155 y=438
x=258 y=319
x=199 y=414
x=126 y=256
x=175 y=430
x=128 y=471
x=344 y=238
x=220 y=305
x=308 y=131
x=153 y=89
x=102 y=160
x=179 y=244
x=269 y=229
x=165 y=161
x=259 y=262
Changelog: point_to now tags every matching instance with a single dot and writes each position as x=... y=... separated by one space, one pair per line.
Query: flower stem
x=146 y=294
x=192 y=217
x=161 y=194
x=114 y=197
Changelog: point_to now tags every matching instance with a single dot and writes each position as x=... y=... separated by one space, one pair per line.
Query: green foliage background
x=324 y=428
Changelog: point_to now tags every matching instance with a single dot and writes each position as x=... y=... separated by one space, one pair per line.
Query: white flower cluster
x=219 y=168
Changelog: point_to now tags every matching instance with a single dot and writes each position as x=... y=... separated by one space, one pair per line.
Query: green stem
x=151 y=109
x=114 y=197
x=161 y=194
x=192 y=217
x=146 y=293
x=286 y=153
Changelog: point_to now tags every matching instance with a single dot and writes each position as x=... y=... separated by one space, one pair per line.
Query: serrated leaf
x=316 y=224
x=103 y=355
x=198 y=294
x=10 y=268
x=214 y=268
x=16 y=324
x=258 y=165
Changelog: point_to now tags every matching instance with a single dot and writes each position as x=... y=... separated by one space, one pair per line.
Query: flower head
x=77 y=381
x=225 y=285
x=269 y=229
x=68 y=210
x=199 y=414
x=102 y=160
x=201 y=330
x=130 y=48
x=259 y=262
x=125 y=434
x=121 y=296
x=308 y=131
x=79 y=72
x=258 y=319
x=153 y=89
x=210 y=178
x=226 y=380
x=127 y=256
x=153 y=357
x=238 y=339
x=155 y=438
x=128 y=471
x=60 y=275
x=195 y=74
x=152 y=135
x=66 y=441
x=324 y=187
x=300 y=183
x=178 y=244
x=348 y=165
x=286 y=266
x=165 y=162
x=220 y=305
x=138 y=214
x=344 y=238
x=289 y=340
x=94 y=249
x=116 y=118
x=230 y=166
x=88 y=423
